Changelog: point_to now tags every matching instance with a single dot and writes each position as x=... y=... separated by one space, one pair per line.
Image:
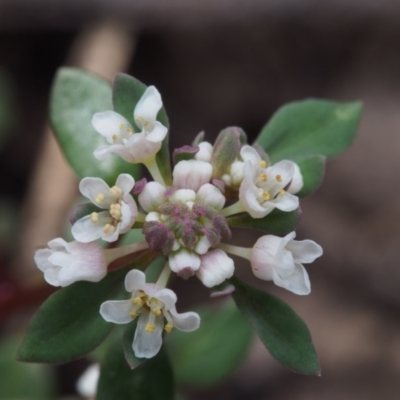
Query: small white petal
x=158 y=133
x=125 y=182
x=287 y=202
x=85 y=231
x=146 y=344
x=92 y=187
x=116 y=311
x=205 y=152
x=152 y=196
x=184 y=259
x=304 y=251
x=187 y=322
x=87 y=383
x=166 y=296
x=248 y=153
x=298 y=282
x=191 y=174
x=135 y=280
x=148 y=106
x=107 y=123
x=211 y=196
x=297 y=181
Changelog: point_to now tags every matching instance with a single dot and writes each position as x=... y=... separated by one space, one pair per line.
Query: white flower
x=132 y=147
x=191 y=174
x=184 y=262
x=263 y=188
x=205 y=152
x=152 y=304
x=120 y=214
x=215 y=267
x=65 y=263
x=282 y=259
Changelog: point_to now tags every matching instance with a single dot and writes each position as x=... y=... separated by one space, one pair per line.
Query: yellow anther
x=129 y=130
x=121 y=125
x=266 y=196
x=138 y=301
x=168 y=327
x=115 y=190
x=114 y=137
x=99 y=198
x=282 y=192
x=108 y=228
x=150 y=328
x=139 y=119
x=278 y=178
x=156 y=311
x=94 y=217
x=133 y=314
x=263 y=177
x=145 y=123
x=263 y=164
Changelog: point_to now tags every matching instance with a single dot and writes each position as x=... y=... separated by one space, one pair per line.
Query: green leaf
x=277 y=222
x=312 y=168
x=211 y=353
x=68 y=325
x=76 y=96
x=127 y=91
x=281 y=330
x=310 y=127
x=152 y=380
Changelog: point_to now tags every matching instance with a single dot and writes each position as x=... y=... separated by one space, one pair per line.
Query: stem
x=118 y=252
x=140 y=217
x=234 y=208
x=152 y=166
x=164 y=276
x=244 y=252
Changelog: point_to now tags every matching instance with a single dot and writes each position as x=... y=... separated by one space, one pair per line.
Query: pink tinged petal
x=182 y=259
x=85 y=231
x=135 y=280
x=298 y=282
x=116 y=311
x=107 y=123
x=191 y=174
x=211 y=196
x=42 y=259
x=152 y=196
x=125 y=182
x=51 y=276
x=62 y=259
x=146 y=344
x=92 y=187
x=148 y=106
x=81 y=271
x=297 y=182
x=205 y=152
x=215 y=268
x=166 y=296
x=140 y=149
x=186 y=322
x=249 y=154
x=57 y=244
x=102 y=152
x=158 y=133
x=304 y=251
x=287 y=202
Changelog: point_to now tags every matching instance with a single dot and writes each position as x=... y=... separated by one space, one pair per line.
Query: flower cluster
x=186 y=222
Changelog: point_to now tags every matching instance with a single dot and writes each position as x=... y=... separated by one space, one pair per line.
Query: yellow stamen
x=278 y=178
x=263 y=177
x=168 y=327
x=115 y=190
x=266 y=196
x=133 y=314
x=263 y=164
x=99 y=198
x=94 y=217
x=156 y=311
x=108 y=228
x=138 y=301
x=115 y=210
x=114 y=137
x=282 y=192
x=129 y=130
x=150 y=328
x=121 y=125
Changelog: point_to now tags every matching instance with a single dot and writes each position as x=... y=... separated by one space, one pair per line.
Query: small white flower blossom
x=281 y=260
x=121 y=210
x=87 y=382
x=205 y=152
x=184 y=262
x=153 y=304
x=191 y=174
x=65 y=263
x=263 y=188
x=132 y=147
x=152 y=196
x=215 y=268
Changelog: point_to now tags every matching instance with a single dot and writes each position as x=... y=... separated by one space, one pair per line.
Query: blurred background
x=219 y=63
